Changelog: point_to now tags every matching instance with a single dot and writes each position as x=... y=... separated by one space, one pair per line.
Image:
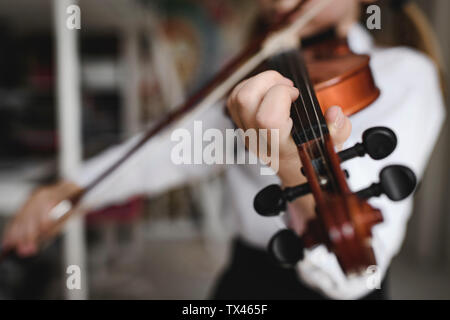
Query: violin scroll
x=377 y=142
x=344 y=221
x=397 y=182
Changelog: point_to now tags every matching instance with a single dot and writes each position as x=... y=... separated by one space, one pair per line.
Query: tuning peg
x=286 y=247
x=377 y=142
x=271 y=200
x=396 y=182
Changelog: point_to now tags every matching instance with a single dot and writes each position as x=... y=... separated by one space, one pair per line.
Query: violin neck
x=308 y=121
x=309 y=131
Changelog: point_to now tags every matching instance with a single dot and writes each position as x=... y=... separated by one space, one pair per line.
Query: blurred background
x=136 y=60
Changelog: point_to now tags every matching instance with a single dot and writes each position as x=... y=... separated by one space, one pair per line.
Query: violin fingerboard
x=308 y=120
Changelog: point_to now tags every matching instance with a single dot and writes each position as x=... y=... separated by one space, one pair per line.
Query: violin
x=332 y=75
x=326 y=74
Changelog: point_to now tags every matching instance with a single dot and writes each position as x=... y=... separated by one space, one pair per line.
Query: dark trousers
x=252 y=274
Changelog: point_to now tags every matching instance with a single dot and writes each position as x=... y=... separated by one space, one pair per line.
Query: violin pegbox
x=397 y=182
x=377 y=142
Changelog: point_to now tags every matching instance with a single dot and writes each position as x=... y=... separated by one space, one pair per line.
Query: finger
x=7 y=237
x=26 y=244
x=284 y=6
x=11 y=236
x=339 y=125
x=7 y=233
x=274 y=111
x=232 y=106
x=44 y=221
x=252 y=93
x=237 y=88
x=27 y=249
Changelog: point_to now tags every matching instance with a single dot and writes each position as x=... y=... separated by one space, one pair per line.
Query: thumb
x=339 y=125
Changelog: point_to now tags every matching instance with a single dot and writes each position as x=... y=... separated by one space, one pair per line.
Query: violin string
x=281 y=63
x=302 y=98
x=316 y=138
x=287 y=67
x=280 y=66
x=315 y=106
x=320 y=146
x=308 y=88
x=296 y=106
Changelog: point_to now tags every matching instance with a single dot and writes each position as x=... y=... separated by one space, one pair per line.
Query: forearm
x=151 y=170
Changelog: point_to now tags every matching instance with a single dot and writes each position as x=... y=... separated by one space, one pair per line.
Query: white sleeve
x=416 y=115
x=150 y=170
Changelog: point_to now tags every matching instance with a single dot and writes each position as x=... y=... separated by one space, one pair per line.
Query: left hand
x=264 y=102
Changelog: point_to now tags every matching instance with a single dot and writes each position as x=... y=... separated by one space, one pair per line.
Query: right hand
x=33 y=219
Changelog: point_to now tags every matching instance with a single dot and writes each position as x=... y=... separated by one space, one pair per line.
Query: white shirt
x=410 y=103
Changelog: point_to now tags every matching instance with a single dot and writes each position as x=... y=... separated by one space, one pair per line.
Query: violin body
x=340 y=77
